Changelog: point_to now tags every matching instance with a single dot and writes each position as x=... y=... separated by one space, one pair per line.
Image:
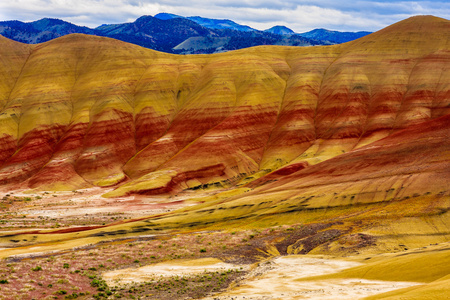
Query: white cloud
x=299 y=15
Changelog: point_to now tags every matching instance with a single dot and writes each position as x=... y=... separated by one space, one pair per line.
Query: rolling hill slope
x=340 y=150
x=354 y=136
x=196 y=120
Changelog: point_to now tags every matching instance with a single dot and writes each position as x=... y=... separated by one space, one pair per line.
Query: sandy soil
x=78 y=208
x=172 y=268
x=276 y=279
x=273 y=279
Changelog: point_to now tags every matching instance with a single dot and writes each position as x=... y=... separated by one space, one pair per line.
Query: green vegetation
x=61 y=292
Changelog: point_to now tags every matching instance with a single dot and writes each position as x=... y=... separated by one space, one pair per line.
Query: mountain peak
x=335 y=37
x=167 y=16
x=220 y=24
x=279 y=29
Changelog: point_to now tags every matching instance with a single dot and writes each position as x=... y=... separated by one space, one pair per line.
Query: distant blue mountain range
x=209 y=23
x=336 y=37
x=176 y=34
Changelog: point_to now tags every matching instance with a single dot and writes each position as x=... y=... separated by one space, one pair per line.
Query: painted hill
x=220 y=120
x=340 y=150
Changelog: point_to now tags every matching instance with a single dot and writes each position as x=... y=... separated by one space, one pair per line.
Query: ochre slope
x=411 y=163
x=85 y=111
x=429 y=265
x=394 y=191
x=12 y=57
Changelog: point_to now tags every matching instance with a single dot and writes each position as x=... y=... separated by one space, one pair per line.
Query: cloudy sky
x=299 y=15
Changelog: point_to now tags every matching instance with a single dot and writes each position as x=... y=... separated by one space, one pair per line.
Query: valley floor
x=233 y=263
x=42 y=210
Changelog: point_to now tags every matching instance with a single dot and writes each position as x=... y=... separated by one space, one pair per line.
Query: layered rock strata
x=83 y=111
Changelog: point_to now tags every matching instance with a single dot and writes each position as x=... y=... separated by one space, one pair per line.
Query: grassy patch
x=179 y=287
